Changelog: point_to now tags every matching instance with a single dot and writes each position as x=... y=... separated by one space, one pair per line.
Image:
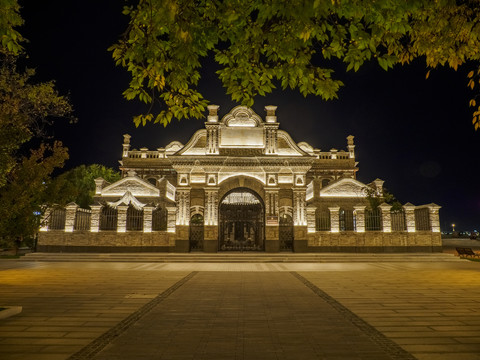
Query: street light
x=453 y=227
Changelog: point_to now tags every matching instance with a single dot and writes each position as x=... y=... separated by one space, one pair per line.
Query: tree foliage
x=261 y=45
x=78 y=184
x=27 y=156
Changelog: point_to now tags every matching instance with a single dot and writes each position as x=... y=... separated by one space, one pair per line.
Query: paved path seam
x=90 y=350
x=388 y=346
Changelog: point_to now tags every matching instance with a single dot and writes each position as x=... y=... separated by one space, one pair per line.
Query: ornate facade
x=241 y=184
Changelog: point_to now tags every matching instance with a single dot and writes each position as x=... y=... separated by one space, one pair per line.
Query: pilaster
x=70 y=213
x=334 y=219
x=433 y=210
x=122 y=218
x=386 y=217
x=299 y=205
x=183 y=206
x=409 y=216
x=95 y=219
x=311 y=225
x=359 y=212
x=211 y=206
x=171 y=218
x=147 y=219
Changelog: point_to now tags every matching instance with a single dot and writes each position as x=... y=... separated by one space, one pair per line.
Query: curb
x=9 y=311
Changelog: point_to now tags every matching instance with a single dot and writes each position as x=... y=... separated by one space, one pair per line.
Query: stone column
x=409 y=216
x=299 y=205
x=122 y=218
x=95 y=218
x=386 y=217
x=359 y=211
x=311 y=221
x=334 y=219
x=70 y=213
x=211 y=206
x=183 y=206
x=271 y=127
x=147 y=218
x=171 y=218
x=433 y=212
x=271 y=201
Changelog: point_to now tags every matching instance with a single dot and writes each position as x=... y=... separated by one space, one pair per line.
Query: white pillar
x=211 y=206
x=359 y=212
x=171 y=218
x=183 y=206
x=409 y=216
x=122 y=218
x=433 y=210
x=147 y=218
x=95 y=219
x=334 y=219
x=70 y=213
x=311 y=221
x=299 y=205
x=386 y=217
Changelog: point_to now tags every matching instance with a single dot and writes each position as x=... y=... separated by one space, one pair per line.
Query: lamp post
x=453 y=227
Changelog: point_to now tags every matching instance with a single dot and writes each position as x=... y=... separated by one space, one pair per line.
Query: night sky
x=413 y=133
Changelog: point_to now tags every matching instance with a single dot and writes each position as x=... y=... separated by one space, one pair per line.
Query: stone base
x=272 y=246
x=210 y=246
x=300 y=246
x=103 y=249
x=182 y=246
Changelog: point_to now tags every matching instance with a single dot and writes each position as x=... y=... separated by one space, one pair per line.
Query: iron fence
x=322 y=220
x=159 y=219
x=82 y=219
x=134 y=219
x=422 y=219
x=108 y=219
x=56 y=220
x=398 y=220
x=346 y=220
x=373 y=219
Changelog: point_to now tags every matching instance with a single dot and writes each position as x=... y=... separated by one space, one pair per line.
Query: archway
x=241 y=215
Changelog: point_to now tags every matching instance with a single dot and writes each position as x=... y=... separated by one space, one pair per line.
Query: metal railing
x=346 y=220
x=134 y=219
x=82 y=219
x=373 y=219
x=422 y=219
x=159 y=219
x=108 y=219
x=322 y=220
x=56 y=220
x=398 y=220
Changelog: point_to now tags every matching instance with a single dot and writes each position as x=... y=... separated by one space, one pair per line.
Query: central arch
x=242 y=221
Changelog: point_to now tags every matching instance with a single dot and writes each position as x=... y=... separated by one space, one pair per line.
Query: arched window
x=347 y=220
x=159 y=219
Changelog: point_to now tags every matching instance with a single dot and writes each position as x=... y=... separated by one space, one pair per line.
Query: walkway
x=241 y=311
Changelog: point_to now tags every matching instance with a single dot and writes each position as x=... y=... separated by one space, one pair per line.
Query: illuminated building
x=241 y=184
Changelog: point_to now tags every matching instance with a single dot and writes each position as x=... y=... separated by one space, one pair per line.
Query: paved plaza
x=371 y=310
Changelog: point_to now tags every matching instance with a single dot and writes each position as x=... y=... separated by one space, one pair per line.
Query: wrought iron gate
x=241 y=222
x=196 y=233
x=286 y=233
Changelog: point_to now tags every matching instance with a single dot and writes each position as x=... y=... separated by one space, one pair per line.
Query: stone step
x=240 y=257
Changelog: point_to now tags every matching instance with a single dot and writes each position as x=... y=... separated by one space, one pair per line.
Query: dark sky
x=415 y=134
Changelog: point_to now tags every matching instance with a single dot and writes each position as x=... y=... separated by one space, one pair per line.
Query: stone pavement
x=241 y=311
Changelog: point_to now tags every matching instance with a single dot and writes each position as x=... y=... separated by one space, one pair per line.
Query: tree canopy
x=27 y=156
x=78 y=184
x=261 y=45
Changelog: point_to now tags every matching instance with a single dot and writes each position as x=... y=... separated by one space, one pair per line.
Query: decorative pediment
x=242 y=116
x=349 y=188
x=196 y=144
x=173 y=147
x=127 y=199
x=132 y=184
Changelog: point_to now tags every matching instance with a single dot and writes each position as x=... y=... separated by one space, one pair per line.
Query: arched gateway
x=242 y=219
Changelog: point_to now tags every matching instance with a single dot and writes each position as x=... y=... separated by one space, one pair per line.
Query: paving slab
x=244 y=310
